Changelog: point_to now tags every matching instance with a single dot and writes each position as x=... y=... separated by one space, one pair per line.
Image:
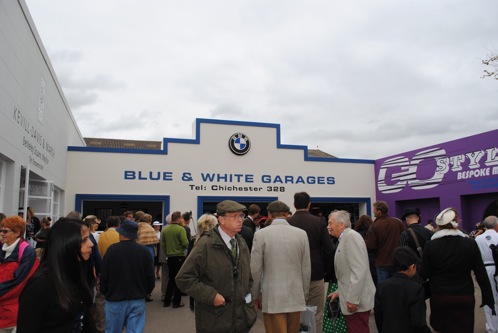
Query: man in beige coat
x=280 y=253
x=356 y=290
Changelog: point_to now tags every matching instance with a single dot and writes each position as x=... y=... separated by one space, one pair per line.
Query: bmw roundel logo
x=239 y=144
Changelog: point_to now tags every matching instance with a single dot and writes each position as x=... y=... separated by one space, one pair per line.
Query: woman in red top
x=17 y=263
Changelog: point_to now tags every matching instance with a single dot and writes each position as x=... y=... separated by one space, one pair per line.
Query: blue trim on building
x=202 y=199
x=197 y=140
x=79 y=198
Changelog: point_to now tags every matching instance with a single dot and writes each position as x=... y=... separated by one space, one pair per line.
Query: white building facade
x=241 y=161
x=36 y=124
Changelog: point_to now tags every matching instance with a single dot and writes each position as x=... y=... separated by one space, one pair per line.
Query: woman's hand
x=333 y=295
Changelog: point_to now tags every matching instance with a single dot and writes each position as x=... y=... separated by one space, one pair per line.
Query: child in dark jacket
x=400 y=300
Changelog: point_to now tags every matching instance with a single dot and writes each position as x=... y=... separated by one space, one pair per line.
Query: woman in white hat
x=447 y=261
x=157 y=228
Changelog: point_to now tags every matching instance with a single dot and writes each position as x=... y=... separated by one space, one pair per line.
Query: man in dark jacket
x=217 y=274
x=412 y=219
x=400 y=301
x=127 y=278
x=320 y=251
x=252 y=220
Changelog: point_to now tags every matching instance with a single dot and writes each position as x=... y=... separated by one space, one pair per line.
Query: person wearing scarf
x=448 y=260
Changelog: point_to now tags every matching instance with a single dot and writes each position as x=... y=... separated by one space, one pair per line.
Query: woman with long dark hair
x=59 y=296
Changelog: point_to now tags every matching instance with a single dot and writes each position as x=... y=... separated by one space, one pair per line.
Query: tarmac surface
x=182 y=320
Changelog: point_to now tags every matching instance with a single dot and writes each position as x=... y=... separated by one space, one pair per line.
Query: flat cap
x=228 y=206
x=278 y=207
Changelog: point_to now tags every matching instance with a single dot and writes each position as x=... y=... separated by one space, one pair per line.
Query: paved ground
x=181 y=320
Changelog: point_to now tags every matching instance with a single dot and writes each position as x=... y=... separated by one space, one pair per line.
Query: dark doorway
x=104 y=205
x=325 y=206
x=104 y=209
x=210 y=206
x=324 y=209
x=492 y=209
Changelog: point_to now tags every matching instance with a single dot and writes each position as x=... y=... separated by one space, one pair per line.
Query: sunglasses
x=4 y=231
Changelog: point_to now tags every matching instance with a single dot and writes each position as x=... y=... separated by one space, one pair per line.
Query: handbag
x=425 y=284
x=427 y=289
x=417 y=244
x=333 y=309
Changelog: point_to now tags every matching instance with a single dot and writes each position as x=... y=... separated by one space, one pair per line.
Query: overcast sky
x=357 y=79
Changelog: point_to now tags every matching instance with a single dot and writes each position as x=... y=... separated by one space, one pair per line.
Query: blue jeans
x=130 y=313
x=384 y=273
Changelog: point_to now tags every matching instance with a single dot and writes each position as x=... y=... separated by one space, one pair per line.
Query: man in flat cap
x=217 y=274
x=281 y=253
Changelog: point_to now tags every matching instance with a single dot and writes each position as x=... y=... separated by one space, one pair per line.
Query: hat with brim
x=411 y=211
x=229 y=206
x=128 y=229
x=446 y=216
x=278 y=207
x=156 y=223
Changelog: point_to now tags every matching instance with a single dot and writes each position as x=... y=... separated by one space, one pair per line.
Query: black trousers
x=174 y=265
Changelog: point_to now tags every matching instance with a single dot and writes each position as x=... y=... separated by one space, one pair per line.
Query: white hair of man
x=341 y=217
x=490 y=222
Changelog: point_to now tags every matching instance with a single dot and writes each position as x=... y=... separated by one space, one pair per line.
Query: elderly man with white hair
x=489 y=237
x=356 y=289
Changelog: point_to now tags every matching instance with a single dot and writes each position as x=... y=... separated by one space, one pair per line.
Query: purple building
x=462 y=173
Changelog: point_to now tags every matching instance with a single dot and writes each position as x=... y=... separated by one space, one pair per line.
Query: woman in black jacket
x=59 y=296
x=447 y=261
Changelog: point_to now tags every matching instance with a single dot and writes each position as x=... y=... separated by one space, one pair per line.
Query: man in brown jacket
x=383 y=237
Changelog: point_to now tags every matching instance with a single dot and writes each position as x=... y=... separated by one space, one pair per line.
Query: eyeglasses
x=5 y=231
x=241 y=215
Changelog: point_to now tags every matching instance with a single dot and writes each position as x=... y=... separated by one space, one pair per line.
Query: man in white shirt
x=489 y=237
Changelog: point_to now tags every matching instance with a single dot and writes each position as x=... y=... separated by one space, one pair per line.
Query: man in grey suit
x=281 y=253
x=356 y=291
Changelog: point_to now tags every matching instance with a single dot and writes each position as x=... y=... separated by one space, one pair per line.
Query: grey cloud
x=65 y=56
x=362 y=80
x=78 y=98
x=227 y=110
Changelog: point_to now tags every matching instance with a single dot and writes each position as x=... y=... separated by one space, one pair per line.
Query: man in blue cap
x=127 y=278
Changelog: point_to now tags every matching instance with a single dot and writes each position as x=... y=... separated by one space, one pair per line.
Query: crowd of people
x=67 y=277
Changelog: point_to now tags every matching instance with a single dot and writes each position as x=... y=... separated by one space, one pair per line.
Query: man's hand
x=258 y=303
x=219 y=300
x=352 y=308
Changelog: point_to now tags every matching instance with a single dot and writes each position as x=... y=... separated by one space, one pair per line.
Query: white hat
x=446 y=216
x=156 y=223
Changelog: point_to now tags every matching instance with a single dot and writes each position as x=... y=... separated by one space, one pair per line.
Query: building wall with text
x=36 y=124
x=462 y=173
x=191 y=170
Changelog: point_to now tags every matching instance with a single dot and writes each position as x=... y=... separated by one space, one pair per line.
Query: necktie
x=233 y=242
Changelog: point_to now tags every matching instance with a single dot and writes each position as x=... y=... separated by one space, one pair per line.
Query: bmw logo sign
x=239 y=144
